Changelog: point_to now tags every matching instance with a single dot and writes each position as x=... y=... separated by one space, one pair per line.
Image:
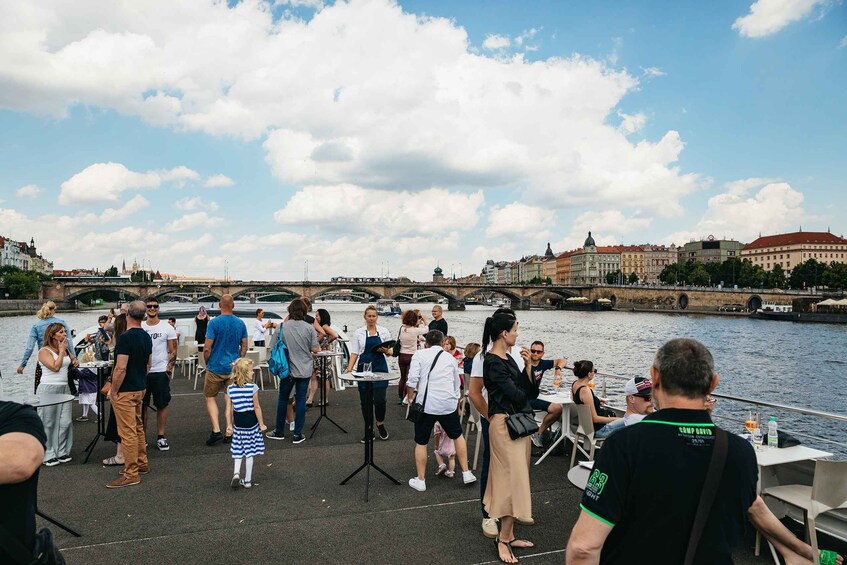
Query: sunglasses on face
x=647 y=397
x=152 y=306
x=536 y=351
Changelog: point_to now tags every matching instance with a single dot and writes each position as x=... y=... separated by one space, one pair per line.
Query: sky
x=378 y=137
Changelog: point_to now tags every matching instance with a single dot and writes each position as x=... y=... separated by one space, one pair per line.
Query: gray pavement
x=185 y=512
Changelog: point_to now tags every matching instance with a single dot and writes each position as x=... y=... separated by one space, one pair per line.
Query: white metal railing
x=758 y=404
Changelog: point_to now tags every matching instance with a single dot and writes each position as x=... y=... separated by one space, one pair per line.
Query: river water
x=798 y=364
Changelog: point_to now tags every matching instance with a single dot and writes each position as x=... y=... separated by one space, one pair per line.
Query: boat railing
x=605 y=384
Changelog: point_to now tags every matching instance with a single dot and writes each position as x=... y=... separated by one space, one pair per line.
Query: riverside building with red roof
x=789 y=249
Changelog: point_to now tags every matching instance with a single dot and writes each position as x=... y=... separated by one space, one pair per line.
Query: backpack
x=278 y=359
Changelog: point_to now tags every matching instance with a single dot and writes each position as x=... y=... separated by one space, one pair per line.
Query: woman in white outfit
x=57 y=419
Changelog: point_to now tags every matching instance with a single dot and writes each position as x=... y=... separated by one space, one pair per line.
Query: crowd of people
x=669 y=451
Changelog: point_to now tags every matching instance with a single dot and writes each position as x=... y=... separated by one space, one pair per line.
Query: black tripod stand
x=102 y=371
x=323 y=359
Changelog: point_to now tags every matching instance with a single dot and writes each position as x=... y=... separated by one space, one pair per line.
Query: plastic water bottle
x=772 y=433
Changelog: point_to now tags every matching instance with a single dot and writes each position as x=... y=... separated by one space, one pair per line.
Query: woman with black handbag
x=507 y=494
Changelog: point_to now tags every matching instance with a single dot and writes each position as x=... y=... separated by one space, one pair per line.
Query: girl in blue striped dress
x=244 y=422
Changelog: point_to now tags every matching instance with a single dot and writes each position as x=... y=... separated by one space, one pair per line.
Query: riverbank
x=687 y=312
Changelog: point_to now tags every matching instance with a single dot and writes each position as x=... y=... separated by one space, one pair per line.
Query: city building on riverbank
x=709 y=250
x=789 y=249
x=23 y=256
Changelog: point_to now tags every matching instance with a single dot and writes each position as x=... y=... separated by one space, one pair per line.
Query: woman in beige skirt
x=507 y=495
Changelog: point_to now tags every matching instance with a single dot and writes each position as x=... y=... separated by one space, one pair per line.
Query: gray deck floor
x=296 y=512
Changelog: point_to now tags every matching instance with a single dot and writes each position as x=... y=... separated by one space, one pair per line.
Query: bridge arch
x=513 y=296
x=412 y=288
x=318 y=291
x=565 y=293
x=158 y=291
x=79 y=293
x=282 y=290
x=754 y=303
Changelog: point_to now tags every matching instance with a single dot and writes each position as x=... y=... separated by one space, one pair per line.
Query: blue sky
x=351 y=135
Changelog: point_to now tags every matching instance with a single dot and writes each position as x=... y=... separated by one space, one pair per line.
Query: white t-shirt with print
x=161 y=333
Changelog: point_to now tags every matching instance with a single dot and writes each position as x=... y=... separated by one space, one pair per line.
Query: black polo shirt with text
x=646 y=484
x=137 y=345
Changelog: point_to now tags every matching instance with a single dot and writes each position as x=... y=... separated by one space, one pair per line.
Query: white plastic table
x=563 y=397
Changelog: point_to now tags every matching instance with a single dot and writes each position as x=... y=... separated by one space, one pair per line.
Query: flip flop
x=111 y=462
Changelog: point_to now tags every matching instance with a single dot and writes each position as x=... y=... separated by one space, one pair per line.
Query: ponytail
x=582 y=368
x=494 y=326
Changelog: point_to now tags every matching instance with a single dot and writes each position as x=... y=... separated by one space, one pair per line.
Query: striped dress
x=247 y=440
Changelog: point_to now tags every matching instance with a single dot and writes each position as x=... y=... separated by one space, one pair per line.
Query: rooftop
x=795 y=238
x=185 y=512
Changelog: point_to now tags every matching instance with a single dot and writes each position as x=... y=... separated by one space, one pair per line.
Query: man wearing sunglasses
x=639 y=403
x=161 y=366
x=536 y=368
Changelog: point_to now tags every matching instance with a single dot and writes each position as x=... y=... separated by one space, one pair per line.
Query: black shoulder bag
x=395 y=351
x=707 y=497
x=416 y=409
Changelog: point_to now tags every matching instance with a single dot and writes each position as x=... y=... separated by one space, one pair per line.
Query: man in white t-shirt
x=479 y=397
x=161 y=366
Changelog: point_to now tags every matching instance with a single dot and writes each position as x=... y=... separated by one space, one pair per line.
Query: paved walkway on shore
x=185 y=512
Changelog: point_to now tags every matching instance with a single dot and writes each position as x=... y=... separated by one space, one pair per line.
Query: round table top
x=40 y=399
x=578 y=476
x=562 y=396
x=95 y=365
x=328 y=354
x=368 y=377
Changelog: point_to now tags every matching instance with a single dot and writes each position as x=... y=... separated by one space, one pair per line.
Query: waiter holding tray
x=368 y=348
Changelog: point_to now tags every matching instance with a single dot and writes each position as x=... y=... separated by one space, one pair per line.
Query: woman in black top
x=507 y=493
x=202 y=321
x=583 y=393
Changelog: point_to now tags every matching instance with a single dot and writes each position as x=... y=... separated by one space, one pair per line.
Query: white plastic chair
x=185 y=359
x=200 y=369
x=255 y=356
x=474 y=424
x=584 y=432
x=828 y=492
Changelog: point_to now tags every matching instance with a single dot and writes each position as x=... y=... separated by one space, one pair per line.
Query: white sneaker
x=405 y=402
x=489 y=528
x=468 y=477
x=537 y=441
x=235 y=482
x=418 y=484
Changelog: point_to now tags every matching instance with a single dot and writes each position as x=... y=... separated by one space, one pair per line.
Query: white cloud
x=254 y=242
x=652 y=72
x=191 y=245
x=432 y=113
x=631 y=123
x=495 y=42
x=526 y=35
x=29 y=191
x=125 y=211
x=607 y=227
x=843 y=42
x=767 y=17
x=775 y=207
x=196 y=202
x=218 y=180
x=106 y=181
x=353 y=208
x=518 y=219
x=194 y=220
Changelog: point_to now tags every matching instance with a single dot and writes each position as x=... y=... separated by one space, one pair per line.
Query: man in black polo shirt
x=438 y=322
x=22 y=442
x=643 y=493
x=129 y=381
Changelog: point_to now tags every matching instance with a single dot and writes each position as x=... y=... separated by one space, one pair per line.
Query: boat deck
x=185 y=512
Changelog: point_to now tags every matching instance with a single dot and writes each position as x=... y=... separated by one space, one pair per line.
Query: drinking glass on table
x=366 y=367
x=757 y=438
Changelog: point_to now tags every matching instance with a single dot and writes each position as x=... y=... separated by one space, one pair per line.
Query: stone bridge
x=520 y=295
x=689 y=298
